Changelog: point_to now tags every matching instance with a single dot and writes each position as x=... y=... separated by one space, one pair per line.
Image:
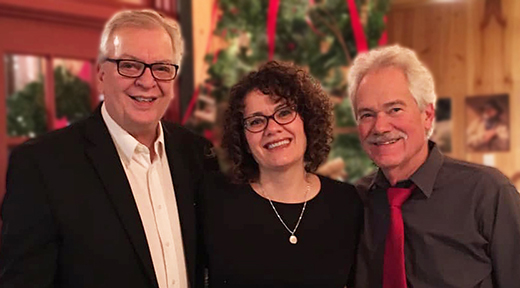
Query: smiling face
x=137 y=104
x=392 y=129
x=278 y=147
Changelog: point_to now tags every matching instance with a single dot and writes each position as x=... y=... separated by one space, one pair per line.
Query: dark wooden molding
x=186 y=78
x=66 y=12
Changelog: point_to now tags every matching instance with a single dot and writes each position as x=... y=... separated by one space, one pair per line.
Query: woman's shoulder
x=216 y=178
x=329 y=183
x=217 y=184
x=339 y=189
x=342 y=200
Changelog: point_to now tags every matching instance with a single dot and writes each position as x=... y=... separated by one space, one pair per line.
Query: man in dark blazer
x=84 y=210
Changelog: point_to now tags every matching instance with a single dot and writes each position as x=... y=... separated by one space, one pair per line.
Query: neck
x=405 y=171
x=147 y=138
x=287 y=186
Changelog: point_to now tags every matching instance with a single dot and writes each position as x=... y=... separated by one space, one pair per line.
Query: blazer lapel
x=183 y=178
x=107 y=163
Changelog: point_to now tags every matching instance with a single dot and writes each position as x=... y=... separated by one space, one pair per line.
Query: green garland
x=26 y=108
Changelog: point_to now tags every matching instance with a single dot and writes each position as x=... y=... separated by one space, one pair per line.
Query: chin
x=386 y=162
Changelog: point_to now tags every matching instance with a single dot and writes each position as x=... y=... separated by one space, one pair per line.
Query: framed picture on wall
x=442 y=130
x=487 y=123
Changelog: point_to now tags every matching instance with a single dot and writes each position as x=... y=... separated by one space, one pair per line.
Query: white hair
x=146 y=19
x=420 y=80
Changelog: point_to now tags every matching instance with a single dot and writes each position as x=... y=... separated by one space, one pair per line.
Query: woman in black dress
x=276 y=224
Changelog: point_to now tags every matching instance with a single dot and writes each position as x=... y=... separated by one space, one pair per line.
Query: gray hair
x=420 y=79
x=147 y=19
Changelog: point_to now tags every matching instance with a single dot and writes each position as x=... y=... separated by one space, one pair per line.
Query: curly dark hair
x=281 y=82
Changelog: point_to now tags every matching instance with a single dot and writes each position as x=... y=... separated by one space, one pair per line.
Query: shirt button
x=173 y=282
x=159 y=207
x=167 y=244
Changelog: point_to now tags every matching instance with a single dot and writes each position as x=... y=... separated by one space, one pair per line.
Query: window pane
x=72 y=80
x=25 y=95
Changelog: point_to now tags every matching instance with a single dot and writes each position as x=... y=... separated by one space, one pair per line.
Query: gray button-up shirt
x=461 y=223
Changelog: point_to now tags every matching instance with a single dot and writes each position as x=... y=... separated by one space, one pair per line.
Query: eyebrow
x=385 y=105
x=394 y=103
x=278 y=107
x=363 y=110
x=128 y=56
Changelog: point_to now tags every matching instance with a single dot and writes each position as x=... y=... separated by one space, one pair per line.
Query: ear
x=100 y=78
x=429 y=116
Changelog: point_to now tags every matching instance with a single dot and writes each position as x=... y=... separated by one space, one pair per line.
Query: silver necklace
x=292 y=239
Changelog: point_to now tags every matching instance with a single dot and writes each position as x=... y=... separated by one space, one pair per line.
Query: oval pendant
x=293 y=239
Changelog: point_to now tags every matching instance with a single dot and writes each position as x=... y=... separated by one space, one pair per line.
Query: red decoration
x=272 y=15
x=60 y=122
x=357 y=28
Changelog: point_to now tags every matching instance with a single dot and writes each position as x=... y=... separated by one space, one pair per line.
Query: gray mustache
x=385 y=137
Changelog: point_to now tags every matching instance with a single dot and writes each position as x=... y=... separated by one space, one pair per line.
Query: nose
x=382 y=123
x=146 y=80
x=272 y=126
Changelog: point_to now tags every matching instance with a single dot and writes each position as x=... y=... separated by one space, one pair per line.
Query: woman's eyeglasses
x=282 y=116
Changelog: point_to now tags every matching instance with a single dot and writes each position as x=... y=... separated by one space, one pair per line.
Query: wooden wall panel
x=466 y=59
x=514 y=33
x=436 y=33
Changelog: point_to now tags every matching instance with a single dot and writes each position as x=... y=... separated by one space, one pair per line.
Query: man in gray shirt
x=460 y=226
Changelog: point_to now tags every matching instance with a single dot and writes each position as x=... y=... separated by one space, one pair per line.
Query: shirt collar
x=424 y=177
x=125 y=142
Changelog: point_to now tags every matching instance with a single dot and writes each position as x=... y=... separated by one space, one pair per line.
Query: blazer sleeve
x=29 y=243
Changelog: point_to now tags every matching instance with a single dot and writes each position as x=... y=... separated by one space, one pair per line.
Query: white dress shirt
x=154 y=195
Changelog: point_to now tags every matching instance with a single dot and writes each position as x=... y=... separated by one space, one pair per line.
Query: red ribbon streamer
x=195 y=95
x=272 y=14
x=357 y=28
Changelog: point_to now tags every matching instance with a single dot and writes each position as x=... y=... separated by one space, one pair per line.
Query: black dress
x=247 y=245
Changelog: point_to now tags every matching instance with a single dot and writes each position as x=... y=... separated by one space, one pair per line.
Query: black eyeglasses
x=134 y=69
x=282 y=116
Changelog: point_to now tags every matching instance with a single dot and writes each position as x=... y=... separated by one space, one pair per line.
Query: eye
x=394 y=110
x=254 y=122
x=284 y=112
x=163 y=68
x=364 y=116
x=130 y=65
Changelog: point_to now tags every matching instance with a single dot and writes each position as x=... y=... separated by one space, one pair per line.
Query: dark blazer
x=69 y=217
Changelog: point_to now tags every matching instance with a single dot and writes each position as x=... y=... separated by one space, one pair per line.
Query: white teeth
x=276 y=144
x=142 y=99
x=388 y=142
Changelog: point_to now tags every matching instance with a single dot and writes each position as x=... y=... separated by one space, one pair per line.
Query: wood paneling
x=466 y=60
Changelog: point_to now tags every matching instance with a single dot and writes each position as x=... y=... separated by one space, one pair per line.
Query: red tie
x=394 y=274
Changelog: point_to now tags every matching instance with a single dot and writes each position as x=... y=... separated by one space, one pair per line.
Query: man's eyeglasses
x=134 y=69
x=282 y=116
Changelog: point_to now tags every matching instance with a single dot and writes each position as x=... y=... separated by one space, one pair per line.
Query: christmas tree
x=317 y=35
